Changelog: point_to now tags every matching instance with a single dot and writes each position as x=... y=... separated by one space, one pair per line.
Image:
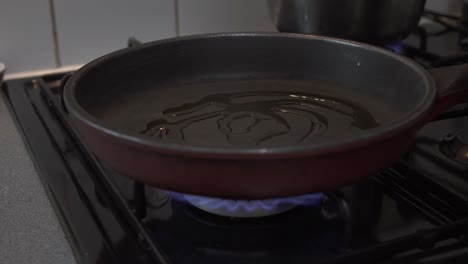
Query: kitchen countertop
x=30 y=231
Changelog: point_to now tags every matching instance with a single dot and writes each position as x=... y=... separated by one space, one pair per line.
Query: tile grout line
x=58 y=59
x=176 y=17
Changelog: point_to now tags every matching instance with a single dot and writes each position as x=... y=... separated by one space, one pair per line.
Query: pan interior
x=247 y=113
x=247 y=92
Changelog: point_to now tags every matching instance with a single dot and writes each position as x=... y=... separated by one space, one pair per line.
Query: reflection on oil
x=264 y=118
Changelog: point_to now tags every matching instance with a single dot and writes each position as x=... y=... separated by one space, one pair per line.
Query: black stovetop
x=413 y=212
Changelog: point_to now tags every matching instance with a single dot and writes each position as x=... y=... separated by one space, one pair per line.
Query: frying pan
x=255 y=115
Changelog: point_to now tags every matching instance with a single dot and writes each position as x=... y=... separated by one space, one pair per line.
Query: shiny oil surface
x=260 y=113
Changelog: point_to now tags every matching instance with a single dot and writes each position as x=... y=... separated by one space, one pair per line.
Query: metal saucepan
x=247 y=115
x=372 y=21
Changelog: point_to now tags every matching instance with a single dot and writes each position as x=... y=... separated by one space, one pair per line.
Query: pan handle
x=452 y=87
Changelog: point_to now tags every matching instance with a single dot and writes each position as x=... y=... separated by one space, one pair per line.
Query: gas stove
x=415 y=211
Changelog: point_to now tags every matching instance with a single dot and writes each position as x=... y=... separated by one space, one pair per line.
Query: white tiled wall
x=26 y=41
x=209 y=16
x=87 y=29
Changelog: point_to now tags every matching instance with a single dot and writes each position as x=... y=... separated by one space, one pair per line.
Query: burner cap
x=251 y=208
x=455 y=146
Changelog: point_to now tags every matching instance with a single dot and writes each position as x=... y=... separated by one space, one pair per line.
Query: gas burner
x=252 y=208
x=455 y=146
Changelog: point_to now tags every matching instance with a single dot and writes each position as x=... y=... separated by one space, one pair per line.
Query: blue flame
x=261 y=207
x=397 y=47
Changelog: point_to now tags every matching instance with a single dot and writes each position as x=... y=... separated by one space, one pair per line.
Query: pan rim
x=408 y=120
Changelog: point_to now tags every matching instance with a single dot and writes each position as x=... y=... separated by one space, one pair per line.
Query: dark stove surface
x=437 y=154
x=413 y=212
x=187 y=234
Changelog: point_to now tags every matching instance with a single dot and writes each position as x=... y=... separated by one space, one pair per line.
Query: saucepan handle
x=452 y=87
